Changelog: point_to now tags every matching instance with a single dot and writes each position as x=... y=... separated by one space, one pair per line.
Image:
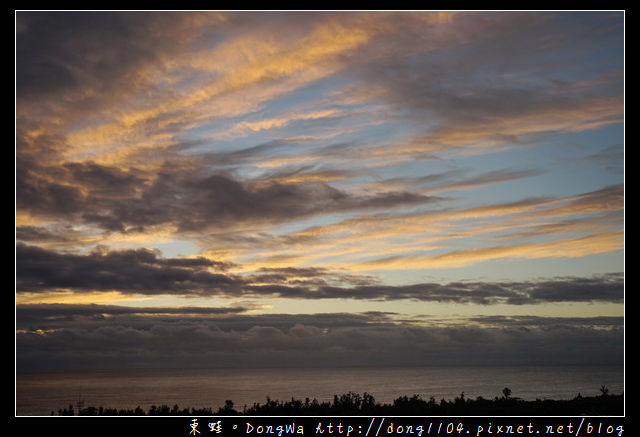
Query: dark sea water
x=39 y=394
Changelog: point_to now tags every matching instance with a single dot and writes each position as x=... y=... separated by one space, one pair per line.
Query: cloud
x=610 y=198
x=241 y=65
x=219 y=200
x=255 y=138
x=606 y=288
x=47 y=317
x=42 y=234
x=569 y=226
x=129 y=271
x=509 y=130
x=453 y=180
x=233 y=318
x=146 y=272
x=601 y=242
x=222 y=339
x=499 y=81
x=62 y=75
x=537 y=322
x=183 y=194
x=610 y=157
x=121 y=168
x=310 y=277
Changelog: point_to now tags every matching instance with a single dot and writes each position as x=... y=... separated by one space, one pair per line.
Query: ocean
x=40 y=394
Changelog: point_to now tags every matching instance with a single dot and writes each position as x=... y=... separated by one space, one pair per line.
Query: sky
x=281 y=188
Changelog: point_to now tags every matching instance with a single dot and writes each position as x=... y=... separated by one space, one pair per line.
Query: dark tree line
x=364 y=405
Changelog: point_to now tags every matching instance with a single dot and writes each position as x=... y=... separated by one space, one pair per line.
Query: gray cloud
x=488 y=178
x=219 y=199
x=309 y=277
x=611 y=158
x=528 y=322
x=222 y=337
x=183 y=194
x=518 y=68
x=116 y=44
x=464 y=83
x=604 y=288
x=42 y=234
x=455 y=180
x=53 y=61
x=130 y=271
x=146 y=272
x=56 y=316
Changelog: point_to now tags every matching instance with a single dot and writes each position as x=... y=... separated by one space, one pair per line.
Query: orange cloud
x=567 y=248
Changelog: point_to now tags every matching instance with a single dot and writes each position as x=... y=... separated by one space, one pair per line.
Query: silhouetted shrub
x=355 y=404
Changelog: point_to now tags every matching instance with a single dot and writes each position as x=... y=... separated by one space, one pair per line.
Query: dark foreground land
x=365 y=405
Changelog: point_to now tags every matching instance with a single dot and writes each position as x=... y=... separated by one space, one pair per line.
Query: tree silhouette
x=604 y=390
x=355 y=404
